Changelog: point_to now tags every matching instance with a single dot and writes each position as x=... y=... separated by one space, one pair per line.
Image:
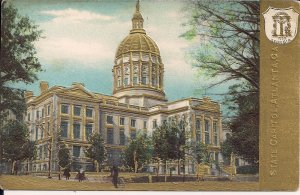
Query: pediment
x=78 y=92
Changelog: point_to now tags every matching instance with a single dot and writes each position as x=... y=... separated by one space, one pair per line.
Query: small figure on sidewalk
x=115 y=174
x=80 y=174
x=67 y=173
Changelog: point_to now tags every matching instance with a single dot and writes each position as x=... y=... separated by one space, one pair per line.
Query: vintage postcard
x=157 y=95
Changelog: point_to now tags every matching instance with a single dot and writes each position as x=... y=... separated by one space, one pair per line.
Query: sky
x=81 y=38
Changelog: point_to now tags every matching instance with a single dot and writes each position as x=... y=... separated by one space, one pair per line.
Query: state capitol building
x=138 y=103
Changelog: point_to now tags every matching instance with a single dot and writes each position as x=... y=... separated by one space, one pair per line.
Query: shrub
x=247 y=169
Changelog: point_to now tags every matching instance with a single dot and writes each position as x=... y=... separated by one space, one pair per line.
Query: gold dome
x=137 y=42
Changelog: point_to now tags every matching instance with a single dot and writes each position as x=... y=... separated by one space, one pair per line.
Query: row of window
x=43 y=151
x=65 y=109
x=40 y=113
x=206 y=130
x=135 y=81
x=133 y=122
x=110 y=136
x=76 y=130
x=136 y=57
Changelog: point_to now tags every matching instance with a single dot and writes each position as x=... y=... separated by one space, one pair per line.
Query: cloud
x=77 y=36
x=86 y=52
x=76 y=15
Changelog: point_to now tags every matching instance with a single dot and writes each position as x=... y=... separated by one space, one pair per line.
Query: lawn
x=37 y=183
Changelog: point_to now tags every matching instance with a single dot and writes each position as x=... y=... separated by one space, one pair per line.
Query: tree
x=18 y=55
x=64 y=158
x=15 y=138
x=96 y=150
x=139 y=151
x=18 y=60
x=169 y=142
x=201 y=154
x=29 y=152
x=229 y=51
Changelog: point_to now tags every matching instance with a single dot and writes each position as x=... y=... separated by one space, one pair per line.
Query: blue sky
x=81 y=38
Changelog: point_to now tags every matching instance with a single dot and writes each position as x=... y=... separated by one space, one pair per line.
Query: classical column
x=193 y=127
x=150 y=70
x=71 y=121
x=122 y=73
x=84 y=122
x=212 y=130
x=115 y=78
x=203 y=127
x=220 y=130
x=131 y=70
x=140 y=70
x=96 y=119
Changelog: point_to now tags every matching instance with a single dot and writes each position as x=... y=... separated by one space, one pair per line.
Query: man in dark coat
x=67 y=173
x=115 y=174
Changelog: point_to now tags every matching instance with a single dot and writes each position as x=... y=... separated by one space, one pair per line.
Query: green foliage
x=226 y=150
x=200 y=153
x=15 y=139
x=29 y=150
x=245 y=128
x=18 y=58
x=169 y=141
x=139 y=149
x=96 y=150
x=229 y=51
x=64 y=157
x=247 y=169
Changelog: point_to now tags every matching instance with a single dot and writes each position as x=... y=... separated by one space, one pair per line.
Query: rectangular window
x=76 y=151
x=77 y=110
x=64 y=128
x=43 y=112
x=135 y=80
x=145 y=124
x=36 y=133
x=48 y=110
x=88 y=130
x=64 y=109
x=110 y=136
x=198 y=136
x=198 y=124
x=119 y=82
x=215 y=127
x=37 y=114
x=40 y=152
x=181 y=125
x=46 y=150
x=89 y=112
x=76 y=130
x=133 y=134
x=206 y=125
x=109 y=119
x=133 y=121
x=48 y=126
x=153 y=80
x=216 y=140
x=154 y=123
x=28 y=116
x=144 y=80
x=122 y=137
x=206 y=138
x=126 y=81
x=42 y=133
x=122 y=120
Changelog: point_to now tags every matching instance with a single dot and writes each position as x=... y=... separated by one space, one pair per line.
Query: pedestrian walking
x=115 y=174
x=67 y=173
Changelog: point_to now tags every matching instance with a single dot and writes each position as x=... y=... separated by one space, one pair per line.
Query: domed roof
x=137 y=42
